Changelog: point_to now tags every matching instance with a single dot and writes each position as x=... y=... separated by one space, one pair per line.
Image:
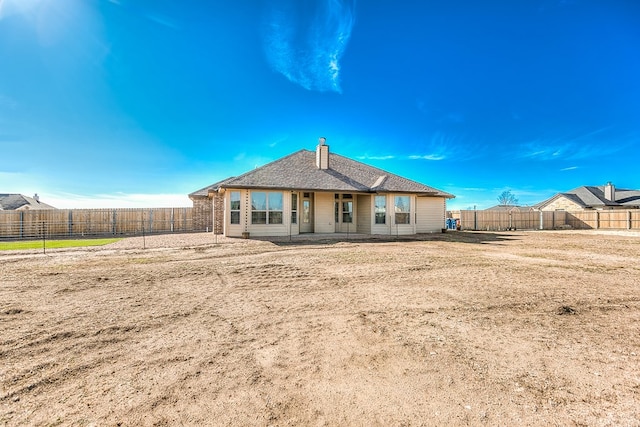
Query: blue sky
x=123 y=103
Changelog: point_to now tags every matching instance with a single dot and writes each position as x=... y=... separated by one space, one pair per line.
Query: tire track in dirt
x=353 y=334
x=60 y=346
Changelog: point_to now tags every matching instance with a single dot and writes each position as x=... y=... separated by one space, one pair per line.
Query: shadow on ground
x=476 y=237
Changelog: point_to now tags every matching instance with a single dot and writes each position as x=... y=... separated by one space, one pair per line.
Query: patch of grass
x=53 y=244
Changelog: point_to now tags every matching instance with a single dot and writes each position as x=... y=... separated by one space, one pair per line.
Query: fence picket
x=69 y=223
x=549 y=220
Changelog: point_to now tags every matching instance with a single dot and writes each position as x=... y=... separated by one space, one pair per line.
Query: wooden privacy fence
x=59 y=223
x=549 y=220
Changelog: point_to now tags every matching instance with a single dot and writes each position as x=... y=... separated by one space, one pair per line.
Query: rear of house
x=319 y=192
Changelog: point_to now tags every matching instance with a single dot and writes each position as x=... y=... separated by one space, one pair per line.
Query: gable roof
x=593 y=197
x=12 y=202
x=506 y=208
x=204 y=192
x=298 y=171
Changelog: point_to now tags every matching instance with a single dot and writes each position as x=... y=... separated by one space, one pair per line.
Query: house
x=510 y=208
x=18 y=202
x=318 y=192
x=592 y=197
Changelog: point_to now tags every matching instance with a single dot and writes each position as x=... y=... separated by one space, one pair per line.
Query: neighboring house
x=590 y=198
x=18 y=202
x=510 y=208
x=321 y=192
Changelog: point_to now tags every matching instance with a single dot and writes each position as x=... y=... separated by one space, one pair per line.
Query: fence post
x=541 y=220
x=597 y=220
x=628 y=220
x=113 y=222
x=172 y=219
x=150 y=221
x=70 y=223
x=21 y=224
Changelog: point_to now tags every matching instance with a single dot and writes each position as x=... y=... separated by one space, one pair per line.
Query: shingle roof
x=509 y=208
x=204 y=192
x=298 y=171
x=11 y=202
x=593 y=196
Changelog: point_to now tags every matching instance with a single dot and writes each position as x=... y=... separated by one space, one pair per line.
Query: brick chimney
x=610 y=192
x=322 y=154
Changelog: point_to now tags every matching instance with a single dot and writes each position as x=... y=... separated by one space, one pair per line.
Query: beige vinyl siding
x=295 y=228
x=391 y=227
x=324 y=213
x=364 y=208
x=272 y=229
x=400 y=229
x=386 y=227
x=258 y=230
x=235 y=230
x=430 y=214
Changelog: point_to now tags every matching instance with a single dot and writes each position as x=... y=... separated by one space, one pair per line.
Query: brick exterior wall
x=202 y=213
x=218 y=213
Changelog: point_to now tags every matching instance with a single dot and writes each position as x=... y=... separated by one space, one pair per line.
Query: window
x=344 y=207
x=403 y=210
x=234 y=198
x=380 y=203
x=347 y=211
x=274 y=208
x=306 y=211
x=266 y=207
x=294 y=208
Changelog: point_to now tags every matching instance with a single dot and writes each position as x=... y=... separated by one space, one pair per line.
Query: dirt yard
x=519 y=328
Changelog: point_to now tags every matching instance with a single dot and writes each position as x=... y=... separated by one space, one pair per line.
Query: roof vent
x=379 y=181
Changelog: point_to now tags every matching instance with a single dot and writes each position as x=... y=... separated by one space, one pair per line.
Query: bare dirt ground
x=519 y=328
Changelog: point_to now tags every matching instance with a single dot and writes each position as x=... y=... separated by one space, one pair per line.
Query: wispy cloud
x=368 y=157
x=428 y=157
x=159 y=19
x=587 y=145
x=411 y=157
x=277 y=141
x=307 y=49
x=446 y=146
x=164 y=21
x=437 y=146
x=570 y=168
